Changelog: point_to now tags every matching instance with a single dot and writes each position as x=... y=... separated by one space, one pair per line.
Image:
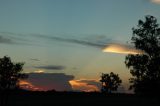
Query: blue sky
x=67 y=36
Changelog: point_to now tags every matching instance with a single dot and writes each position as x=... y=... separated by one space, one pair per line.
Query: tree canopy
x=10 y=73
x=145 y=67
x=110 y=82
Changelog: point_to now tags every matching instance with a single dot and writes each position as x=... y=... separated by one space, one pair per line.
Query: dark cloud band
x=51 y=67
x=5 y=40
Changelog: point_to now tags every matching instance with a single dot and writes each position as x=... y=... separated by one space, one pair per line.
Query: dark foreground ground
x=76 y=99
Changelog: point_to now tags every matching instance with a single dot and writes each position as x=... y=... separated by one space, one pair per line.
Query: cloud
x=47 y=81
x=51 y=67
x=122 y=49
x=34 y=59
x=27 y=39
x=71 y=40
x=90 y=85
x=14 y=38
x=5 y=40
x=86 y=85
x=155 y=1
x=39 y=71
x=107 y=45
x=29 y=86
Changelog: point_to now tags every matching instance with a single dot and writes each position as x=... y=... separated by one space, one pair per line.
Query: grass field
x=76 y=99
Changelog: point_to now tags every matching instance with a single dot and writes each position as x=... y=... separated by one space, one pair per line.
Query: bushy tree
x=145 y=67
x=110 y=82
x=10 y=73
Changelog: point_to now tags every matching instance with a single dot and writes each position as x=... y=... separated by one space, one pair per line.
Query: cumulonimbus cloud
x=122 y=49
x=51 y=67
x=47 y=81
x=155 y=1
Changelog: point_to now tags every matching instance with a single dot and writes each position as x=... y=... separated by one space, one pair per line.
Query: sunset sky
x=68 y=44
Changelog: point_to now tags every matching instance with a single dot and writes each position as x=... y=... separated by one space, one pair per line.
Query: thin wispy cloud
x=107 y=45
x=51 y=67
x=34 y=59
x=121 y=49
x=39 y=71
x=16 y=38
x=5 y=40
x=155 y=1
x=73 y=40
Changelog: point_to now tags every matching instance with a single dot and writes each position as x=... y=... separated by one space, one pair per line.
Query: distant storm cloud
x=47 y=81
x=122 y=49
x=87 y=85
x=51 y=67
x=155 y=1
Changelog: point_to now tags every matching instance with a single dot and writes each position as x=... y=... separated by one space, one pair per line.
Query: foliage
x=110 y=82
x=10 y=73
x=145 y=67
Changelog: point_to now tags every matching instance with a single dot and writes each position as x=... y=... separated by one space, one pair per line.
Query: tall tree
x=10 y=73
x=110 y=82
x=145 y=67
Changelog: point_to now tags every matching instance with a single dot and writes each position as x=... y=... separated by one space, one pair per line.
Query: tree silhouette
x=110 y=82
x=145 y=67
x=10 y=73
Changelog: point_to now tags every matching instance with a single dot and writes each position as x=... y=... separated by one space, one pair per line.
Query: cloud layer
x=73 y=40
x=51 y=67
x=47 y=81
x=107 y=45
x=34 y=59
x=5 y=40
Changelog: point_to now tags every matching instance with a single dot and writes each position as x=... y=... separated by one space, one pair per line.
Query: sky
x=67 y=44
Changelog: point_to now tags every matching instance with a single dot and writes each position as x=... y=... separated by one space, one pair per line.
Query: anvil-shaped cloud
x=47 y=81
x=122 y=49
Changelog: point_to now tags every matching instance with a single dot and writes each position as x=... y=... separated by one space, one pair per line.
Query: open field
x=76 y=99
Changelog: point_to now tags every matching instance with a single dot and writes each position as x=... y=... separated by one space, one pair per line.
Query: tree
x=110 y=82
x=10 y=73
x=145 y=67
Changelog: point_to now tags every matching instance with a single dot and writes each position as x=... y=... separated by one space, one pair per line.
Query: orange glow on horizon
x=115 y=48
x=83 y=86
x=156 y=1
x=39 y=71
x=29 y=86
